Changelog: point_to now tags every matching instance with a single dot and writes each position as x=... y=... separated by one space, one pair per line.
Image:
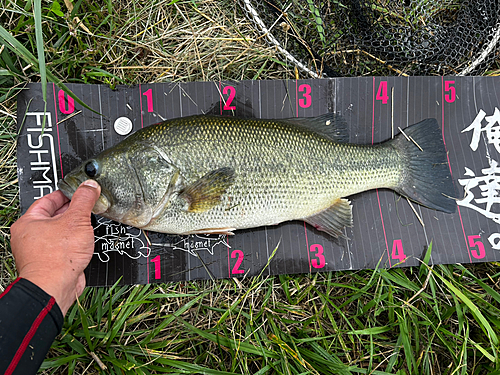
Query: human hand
x=53 y=242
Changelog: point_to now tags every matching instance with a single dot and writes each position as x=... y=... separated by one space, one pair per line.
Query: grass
x=420 y=320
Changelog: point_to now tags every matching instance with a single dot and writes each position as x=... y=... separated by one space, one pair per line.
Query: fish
x=215 y=174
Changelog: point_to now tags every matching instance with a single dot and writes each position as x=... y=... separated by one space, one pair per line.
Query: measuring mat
x=387 y=228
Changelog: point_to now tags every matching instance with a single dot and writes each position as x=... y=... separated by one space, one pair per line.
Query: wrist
x=54 y=288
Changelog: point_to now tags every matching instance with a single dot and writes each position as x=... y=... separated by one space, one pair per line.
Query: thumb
x=85 y=197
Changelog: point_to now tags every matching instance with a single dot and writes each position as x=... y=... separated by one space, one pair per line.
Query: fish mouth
x=68 y=186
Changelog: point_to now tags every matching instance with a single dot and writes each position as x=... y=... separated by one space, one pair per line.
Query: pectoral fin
x=334 y=219
x=206 y=192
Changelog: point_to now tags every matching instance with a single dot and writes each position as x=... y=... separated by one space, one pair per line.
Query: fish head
x=108 y=171
x=136 y=182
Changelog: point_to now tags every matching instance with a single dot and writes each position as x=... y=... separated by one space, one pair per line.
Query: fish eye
x=91 y=169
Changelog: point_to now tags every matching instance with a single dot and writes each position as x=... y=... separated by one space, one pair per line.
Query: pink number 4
x=397 y=251
x=382 y=92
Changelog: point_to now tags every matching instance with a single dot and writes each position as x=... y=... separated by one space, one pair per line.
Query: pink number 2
x=232 y=94
x=239 y=255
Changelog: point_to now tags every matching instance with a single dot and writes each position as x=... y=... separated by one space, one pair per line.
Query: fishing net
x=376 y=37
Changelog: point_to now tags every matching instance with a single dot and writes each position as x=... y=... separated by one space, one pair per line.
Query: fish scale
x=217 y=174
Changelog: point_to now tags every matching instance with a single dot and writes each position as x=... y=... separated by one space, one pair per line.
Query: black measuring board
x=386 y=227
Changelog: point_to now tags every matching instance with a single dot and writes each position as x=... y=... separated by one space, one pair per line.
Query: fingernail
x=91 y=183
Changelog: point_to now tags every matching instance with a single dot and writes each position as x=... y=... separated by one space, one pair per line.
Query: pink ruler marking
x=378 y=197
x=142 y=126
x=57 y=128
x=449 y=165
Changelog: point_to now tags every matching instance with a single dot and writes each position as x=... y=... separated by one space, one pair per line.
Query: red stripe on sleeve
x=10 y=286
x=29 y=336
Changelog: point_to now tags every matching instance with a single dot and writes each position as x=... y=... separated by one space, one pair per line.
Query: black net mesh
x=377 y=37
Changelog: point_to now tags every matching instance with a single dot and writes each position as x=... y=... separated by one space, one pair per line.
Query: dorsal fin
x=330 y=125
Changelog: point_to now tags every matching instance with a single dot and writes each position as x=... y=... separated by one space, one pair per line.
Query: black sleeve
x=30 y=320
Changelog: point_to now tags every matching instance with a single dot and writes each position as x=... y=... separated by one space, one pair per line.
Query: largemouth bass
x=210 y=174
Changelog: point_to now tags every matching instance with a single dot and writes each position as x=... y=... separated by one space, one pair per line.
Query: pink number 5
x=450 y=97
x=480 y=253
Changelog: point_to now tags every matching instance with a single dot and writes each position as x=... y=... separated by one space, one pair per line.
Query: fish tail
x=426 y=177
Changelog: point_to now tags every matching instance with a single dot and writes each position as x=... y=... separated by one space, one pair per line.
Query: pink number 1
x=156 y=261
x=149 y=96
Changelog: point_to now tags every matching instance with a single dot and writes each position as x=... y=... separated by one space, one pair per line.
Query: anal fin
x=334 y=219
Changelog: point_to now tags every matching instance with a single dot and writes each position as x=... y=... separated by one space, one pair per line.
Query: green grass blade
x=224 y=341
x=85 y=325
x=21 y=51
x=370 y=331
x=37 y=14
x=485 y=325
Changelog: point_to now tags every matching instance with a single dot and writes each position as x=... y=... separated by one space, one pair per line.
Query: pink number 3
x=320 y=261
x=307 y=100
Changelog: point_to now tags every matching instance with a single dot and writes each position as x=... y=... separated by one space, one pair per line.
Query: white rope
x=486 y=52
x=267 y=33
